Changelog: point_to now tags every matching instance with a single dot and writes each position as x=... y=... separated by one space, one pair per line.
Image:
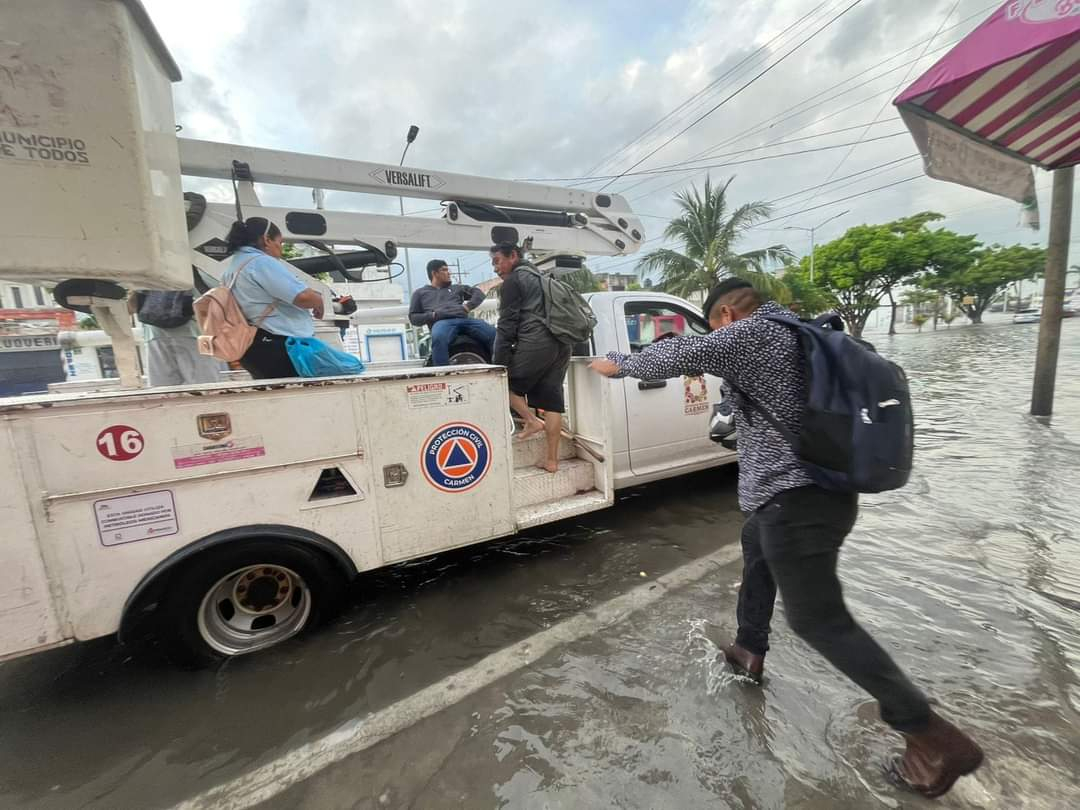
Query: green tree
x=981 y=281
x=708 y=232
x=869 y=262
x=581 y=280
x=909 y=255
x=289 y=251
x=919 y=320
x=919 y=297
x=924 y=301
x=805 y=298
x=855 y=269
x=88 y=323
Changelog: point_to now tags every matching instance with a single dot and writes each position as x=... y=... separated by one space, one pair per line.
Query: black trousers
x=267 y=358
x=793 y=542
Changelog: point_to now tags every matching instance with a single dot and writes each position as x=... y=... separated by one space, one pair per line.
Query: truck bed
x=103 y=489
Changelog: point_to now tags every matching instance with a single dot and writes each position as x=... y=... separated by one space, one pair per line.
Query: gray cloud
x=198 y=94
x=511 y=89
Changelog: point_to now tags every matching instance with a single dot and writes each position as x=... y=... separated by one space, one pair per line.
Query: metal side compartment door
x=28 y=617
x=667 y=420
x=441 y=459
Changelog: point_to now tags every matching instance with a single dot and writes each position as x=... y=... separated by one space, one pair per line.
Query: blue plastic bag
x=313 y=358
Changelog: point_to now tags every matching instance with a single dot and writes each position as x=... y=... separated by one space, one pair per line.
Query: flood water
x=970 y=576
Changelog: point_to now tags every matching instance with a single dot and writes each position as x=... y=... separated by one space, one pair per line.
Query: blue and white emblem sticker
x=455 y=457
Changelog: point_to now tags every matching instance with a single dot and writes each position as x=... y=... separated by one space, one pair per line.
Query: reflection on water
x=970 y=575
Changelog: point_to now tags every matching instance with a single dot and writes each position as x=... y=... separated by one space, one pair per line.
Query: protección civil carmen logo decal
x=455 y=457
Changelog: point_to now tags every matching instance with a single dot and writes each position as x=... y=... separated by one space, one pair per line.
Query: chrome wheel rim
x=253 y=608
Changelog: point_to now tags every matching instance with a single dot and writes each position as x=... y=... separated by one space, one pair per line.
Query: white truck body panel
x=28 y=610
x=104 y=487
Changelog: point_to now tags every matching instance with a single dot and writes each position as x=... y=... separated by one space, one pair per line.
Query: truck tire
x=245 y=597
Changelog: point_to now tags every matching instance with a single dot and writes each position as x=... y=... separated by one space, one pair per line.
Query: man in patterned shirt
x=794 y=529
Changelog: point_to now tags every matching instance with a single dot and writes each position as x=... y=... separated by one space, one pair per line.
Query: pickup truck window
x=645 y=322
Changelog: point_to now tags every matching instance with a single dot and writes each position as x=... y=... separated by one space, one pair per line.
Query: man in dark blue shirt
x=794 y=529
x=444 y=307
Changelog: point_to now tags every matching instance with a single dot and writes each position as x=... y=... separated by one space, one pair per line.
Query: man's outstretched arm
x=674 y=357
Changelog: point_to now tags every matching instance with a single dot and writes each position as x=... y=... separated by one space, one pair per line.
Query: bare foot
x=545 y=465
x=531 y=430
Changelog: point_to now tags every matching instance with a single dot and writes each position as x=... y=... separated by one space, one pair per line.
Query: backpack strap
x=781 y=428
x=239 y=270
x=232 y=282
x=264 y=316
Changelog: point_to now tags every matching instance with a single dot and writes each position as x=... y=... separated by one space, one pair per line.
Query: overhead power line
x=680 y=164
x=705 y=90
x=736 y=92
x=888 y=100
x=712 y=87
x=676 y=168
x=794 y=111
x=803 y=211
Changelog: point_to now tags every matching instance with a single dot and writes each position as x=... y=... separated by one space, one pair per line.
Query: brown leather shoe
x=744 y=662
x=935 y=758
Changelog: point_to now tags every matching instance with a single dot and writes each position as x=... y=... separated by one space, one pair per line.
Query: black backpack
x=858 y=426
x=165 y=309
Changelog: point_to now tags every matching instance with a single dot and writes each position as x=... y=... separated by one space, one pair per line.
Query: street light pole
x=812 y=232
x=414 y=130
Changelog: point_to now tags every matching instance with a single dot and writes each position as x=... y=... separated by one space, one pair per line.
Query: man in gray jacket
x=444 y=308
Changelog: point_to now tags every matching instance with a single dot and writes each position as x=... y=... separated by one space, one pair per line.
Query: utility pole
x=811 y=231
x=457 y=264
x=1057 y=255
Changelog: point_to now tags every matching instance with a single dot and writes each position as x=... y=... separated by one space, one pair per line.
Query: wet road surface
x=970 y=576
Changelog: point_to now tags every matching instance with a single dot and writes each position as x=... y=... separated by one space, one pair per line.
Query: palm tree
x=708 y=235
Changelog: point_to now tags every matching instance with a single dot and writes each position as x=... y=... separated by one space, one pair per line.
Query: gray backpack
x=567 y=314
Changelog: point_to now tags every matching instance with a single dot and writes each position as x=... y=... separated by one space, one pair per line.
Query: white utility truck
x=229 y=517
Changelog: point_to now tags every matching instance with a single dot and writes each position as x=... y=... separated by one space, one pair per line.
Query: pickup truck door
x=667 y=420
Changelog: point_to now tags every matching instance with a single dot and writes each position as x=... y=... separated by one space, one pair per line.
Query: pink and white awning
x=1005 y=98
x=1013 y=83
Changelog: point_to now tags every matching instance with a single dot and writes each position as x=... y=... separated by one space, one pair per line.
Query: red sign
x=120 y=443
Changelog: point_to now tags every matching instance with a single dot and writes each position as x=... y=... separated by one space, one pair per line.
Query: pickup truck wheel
x=246 y=598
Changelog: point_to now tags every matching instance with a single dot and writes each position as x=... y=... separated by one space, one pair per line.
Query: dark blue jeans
x=793 y=542
x=444 y=332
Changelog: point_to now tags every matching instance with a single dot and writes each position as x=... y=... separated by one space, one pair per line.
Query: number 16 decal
x=120 y=443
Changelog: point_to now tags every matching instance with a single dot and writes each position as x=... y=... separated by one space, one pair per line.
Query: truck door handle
x=648 y=385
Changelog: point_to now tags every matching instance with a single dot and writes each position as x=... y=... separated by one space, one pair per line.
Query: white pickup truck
x=229 y=517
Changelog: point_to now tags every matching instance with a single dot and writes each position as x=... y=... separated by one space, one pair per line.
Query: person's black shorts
x=538 y=373
x=267 y=358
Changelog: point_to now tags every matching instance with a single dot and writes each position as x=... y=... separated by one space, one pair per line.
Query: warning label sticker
x=136 y=517
x=199 y=455
x=434 y=394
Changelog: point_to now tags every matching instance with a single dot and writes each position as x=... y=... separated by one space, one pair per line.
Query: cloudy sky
x=561 y=89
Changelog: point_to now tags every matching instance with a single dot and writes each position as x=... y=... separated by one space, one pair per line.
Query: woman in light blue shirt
x=272 y=298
